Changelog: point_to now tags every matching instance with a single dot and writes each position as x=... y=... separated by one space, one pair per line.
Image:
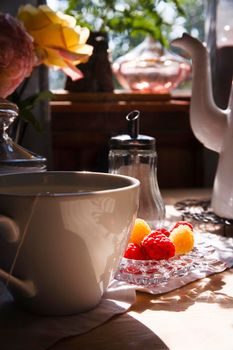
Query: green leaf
x=31 y=101
x=28 y=116
x=27 y=105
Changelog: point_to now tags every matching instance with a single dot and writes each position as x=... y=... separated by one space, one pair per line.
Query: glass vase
x=150 y=68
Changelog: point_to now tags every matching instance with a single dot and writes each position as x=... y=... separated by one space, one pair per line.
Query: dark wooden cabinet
x=82 y=125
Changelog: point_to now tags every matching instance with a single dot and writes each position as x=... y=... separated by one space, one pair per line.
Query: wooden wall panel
x=82 y=125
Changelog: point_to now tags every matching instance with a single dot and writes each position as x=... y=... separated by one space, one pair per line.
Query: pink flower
x=17 y=55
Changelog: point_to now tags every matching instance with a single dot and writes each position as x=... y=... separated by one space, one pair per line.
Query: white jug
x=211 y=125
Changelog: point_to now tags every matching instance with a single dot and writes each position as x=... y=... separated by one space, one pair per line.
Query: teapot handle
x=9 y=232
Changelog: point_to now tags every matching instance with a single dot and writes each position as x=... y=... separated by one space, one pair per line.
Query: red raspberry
x=134 y=251
x=159 y=231
x=186 y=223
x=158 y=247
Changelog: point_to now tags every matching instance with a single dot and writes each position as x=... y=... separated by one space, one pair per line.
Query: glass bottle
x=135 y=155
x=97 y=71
x=14 y=158
x=150 y=68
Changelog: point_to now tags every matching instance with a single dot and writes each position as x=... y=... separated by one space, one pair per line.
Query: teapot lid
x=8 y=107
x=13 y=157
x=132 y=140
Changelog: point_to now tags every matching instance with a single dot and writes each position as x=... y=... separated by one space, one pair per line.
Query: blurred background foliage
x=129 y=16
x=127 y=22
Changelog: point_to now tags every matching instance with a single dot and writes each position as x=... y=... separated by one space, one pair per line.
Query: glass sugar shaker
x=135 y=155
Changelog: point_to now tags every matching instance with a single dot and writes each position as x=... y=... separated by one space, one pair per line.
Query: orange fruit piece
x=140 y=230
x=183 y=239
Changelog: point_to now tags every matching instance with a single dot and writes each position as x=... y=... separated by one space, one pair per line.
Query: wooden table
x=197 y=316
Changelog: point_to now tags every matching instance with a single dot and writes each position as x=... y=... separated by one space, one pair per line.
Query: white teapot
x=211 y=125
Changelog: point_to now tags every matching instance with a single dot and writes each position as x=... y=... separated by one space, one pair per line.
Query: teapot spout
x=208 y=121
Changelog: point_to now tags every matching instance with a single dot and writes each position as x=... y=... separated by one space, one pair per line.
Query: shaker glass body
x=141 y=164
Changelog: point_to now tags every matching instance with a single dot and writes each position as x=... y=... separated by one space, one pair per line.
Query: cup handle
x=26 y=288
x=9 y=232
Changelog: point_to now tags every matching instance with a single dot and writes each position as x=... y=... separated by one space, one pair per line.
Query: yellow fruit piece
x=140 y=230
x=183 y=239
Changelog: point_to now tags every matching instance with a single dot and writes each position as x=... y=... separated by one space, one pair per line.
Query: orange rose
x=58 y=40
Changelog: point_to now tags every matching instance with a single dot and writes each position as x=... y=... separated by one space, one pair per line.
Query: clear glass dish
x=151 y=273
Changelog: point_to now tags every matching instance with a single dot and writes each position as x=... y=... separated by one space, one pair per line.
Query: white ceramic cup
x=61 y=236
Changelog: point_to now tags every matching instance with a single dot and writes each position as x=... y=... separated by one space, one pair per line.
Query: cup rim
x=132 y=183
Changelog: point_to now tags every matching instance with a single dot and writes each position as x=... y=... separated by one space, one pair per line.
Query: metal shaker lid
x=132 y=140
